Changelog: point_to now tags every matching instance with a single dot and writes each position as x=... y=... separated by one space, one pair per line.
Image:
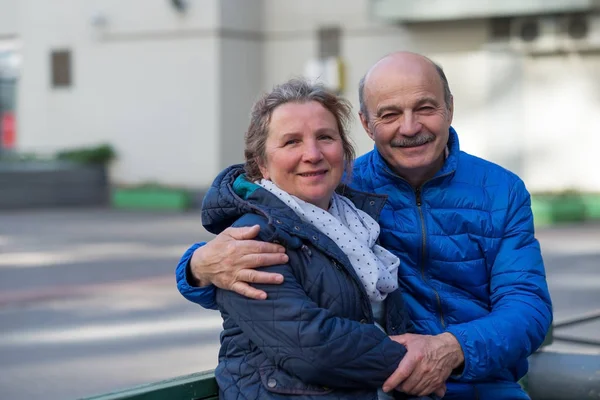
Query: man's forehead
x=403 y=90
x=393 y=75
x=400 y=74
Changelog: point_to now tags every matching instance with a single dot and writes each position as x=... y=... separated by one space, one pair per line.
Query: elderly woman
x=324 y=332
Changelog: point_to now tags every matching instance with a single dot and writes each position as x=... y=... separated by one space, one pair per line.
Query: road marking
x=68 y=292
x=89 y=253
x=569 y=280
x=4 y=240
x=563 y=246
x=112 y=332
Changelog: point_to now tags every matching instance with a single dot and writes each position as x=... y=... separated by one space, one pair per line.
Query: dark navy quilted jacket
x=314 y=336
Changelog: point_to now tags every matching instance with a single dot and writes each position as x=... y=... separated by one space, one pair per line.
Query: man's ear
x=451 y=109
x=365 y=123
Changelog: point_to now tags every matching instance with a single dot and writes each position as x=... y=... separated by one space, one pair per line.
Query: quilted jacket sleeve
x=309 y=342
x=521 y=310
x=205 y=296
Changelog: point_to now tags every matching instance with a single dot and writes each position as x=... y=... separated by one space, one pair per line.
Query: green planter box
x=542 y=211
x=568 y=209
x=151 y=198
x=592 y=205
x=550 y=209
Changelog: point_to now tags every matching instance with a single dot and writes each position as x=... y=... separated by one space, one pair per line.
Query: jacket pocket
x=276 y=380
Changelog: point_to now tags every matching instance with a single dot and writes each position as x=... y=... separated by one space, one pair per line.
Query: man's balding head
x=403 y=59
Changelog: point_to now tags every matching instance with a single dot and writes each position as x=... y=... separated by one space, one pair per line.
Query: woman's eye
x=290 y=142
x=326 y=137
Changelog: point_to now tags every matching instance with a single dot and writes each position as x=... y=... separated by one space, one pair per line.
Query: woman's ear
x=263 y=169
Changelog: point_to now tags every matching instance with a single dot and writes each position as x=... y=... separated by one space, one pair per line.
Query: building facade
x=170 y=83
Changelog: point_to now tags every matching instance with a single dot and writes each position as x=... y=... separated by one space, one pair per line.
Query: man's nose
x=409 y=124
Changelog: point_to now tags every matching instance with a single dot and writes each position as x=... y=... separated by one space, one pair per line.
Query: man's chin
x=408 y=164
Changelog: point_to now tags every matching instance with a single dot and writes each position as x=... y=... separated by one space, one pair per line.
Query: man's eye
x=426 y=108
x=387 y=116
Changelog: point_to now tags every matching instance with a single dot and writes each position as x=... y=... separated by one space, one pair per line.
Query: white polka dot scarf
x=355 y=232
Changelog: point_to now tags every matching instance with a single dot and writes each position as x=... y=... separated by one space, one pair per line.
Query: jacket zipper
x=424 y=236
x=423 y=253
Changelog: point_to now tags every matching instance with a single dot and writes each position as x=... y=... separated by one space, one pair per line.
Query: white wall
x=538 y=118
x=561 y=96
x=173 y=91
x=240 y=74
x=9 y=18
x=292 y=27
x=146 y=83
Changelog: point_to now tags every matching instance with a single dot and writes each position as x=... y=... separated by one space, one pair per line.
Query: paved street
x=88 y=301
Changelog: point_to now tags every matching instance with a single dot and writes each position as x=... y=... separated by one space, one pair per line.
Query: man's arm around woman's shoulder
x=228 y=261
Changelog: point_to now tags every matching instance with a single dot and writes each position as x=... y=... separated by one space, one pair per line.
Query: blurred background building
x=88 y=302
x=169 y=83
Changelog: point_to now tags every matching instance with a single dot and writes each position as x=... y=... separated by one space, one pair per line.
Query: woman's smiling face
x=304 y=152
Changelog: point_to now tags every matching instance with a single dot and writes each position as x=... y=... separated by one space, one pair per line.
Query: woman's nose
x=312 y=153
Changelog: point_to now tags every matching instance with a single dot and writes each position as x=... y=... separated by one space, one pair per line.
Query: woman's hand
x=229 y=261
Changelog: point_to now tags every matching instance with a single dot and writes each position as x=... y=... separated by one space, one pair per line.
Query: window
x=329 y=42
x=61 y=68
x=500 y=29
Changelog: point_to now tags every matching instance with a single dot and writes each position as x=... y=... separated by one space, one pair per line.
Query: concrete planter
x=52 y=184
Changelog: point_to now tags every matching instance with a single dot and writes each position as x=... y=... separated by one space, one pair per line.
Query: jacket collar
x=231 y=196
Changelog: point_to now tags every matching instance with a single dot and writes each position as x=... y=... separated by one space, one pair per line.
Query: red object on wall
x=9 y=131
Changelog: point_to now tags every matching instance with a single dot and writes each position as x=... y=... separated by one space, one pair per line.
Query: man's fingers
x=263 y=260
x=429 y=389
x=258 y=247
x=406 y=367
x=253 y=276
x=243 y=243
x=402 y=339
x=412 y=384
x=243 y=233
x=246 y=290
x=419 y=384
x=266 y=247
x=441 y=391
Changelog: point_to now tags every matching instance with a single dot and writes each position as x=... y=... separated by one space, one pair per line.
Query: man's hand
x=228 y=262
x=428 y=363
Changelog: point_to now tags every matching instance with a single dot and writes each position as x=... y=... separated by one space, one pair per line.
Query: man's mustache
x=414 y=141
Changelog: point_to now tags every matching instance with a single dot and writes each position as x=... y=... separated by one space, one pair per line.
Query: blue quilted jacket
x=314 y=336
x=470 y=262
x=470 y=265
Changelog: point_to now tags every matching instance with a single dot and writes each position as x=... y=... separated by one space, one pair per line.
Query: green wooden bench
x=197 y=386
x=552 y=376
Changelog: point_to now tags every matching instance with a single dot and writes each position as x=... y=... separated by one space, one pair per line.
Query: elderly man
x=471 y=269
